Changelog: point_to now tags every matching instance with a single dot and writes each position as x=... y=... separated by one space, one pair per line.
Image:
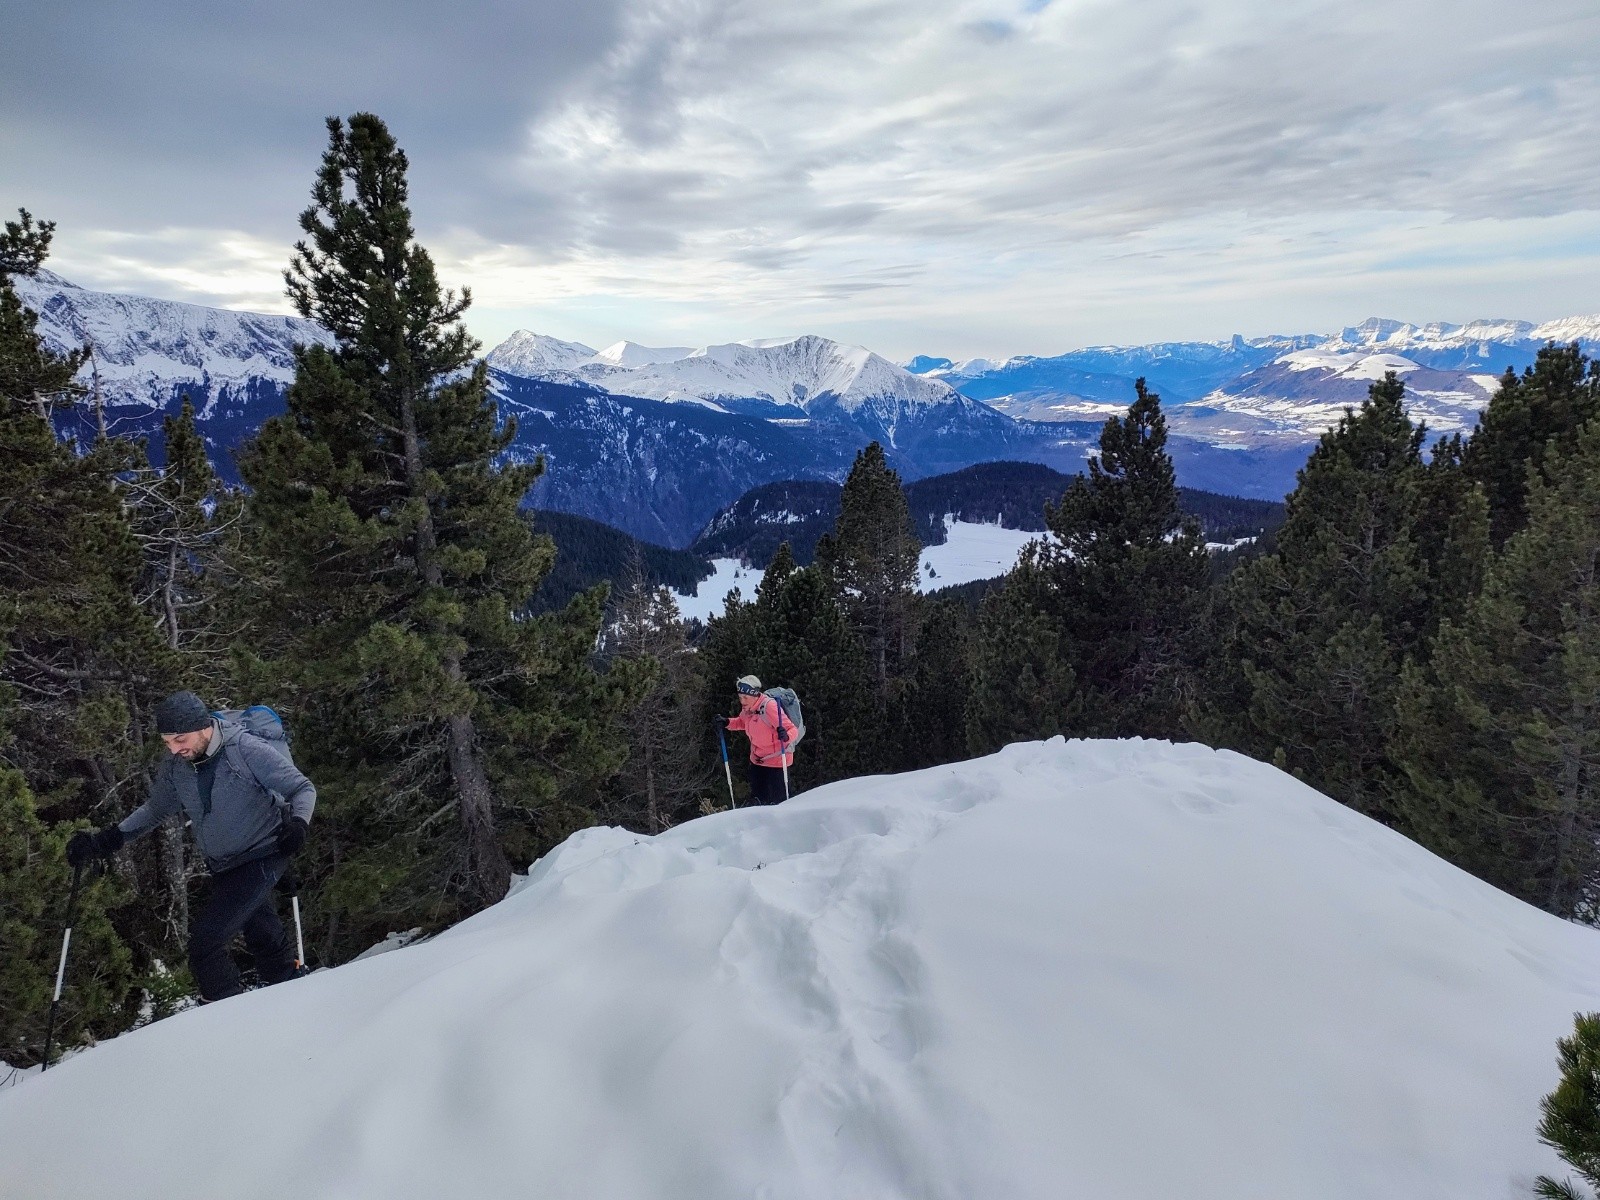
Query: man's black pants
x=240 y=902
x=766 y=784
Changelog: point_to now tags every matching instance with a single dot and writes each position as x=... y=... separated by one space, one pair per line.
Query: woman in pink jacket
x=761 y=720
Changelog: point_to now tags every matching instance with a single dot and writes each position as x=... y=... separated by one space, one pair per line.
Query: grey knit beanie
x=182 y=712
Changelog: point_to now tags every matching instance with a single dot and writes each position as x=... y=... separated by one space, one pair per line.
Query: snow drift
x=1067 y=970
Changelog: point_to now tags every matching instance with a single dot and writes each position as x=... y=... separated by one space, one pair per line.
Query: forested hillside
x=590 y=552
x=1012 y=494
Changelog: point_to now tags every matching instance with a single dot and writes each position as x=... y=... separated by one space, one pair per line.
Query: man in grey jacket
x=228 y=783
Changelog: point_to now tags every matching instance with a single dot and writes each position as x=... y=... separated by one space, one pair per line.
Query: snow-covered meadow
x=1075 y=969
x=971 y=551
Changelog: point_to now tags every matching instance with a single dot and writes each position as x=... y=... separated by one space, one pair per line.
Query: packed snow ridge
x=1068 y=969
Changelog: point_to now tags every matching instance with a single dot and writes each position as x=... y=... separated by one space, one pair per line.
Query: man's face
x=188 y=745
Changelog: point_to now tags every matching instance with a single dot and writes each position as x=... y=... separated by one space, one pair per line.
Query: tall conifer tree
x=395 y=566
x=667 y=772
x=1128 y=577
x=184 y=521
x=1500 y=736
x=78 y=658
x=1324 y=625
x=1530 y=417
x=805 y=642
x=1022 y=679
x=933 y=721
x=873 y=556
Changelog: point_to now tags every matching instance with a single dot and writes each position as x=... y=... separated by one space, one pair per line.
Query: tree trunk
x=169 y=597
x=175 y=873
x=486 y=859
x=652 y=808
x=1566 y=883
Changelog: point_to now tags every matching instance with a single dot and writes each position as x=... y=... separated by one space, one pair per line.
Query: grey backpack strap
x=241 y=767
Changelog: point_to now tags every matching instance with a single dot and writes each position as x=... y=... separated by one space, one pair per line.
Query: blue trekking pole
x=722 y=736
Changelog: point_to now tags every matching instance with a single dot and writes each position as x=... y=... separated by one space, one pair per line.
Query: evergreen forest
x=1419 y=640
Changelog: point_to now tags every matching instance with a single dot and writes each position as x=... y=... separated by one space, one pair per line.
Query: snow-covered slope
x=971 y=551
x=148 y=351
x=1066 y=970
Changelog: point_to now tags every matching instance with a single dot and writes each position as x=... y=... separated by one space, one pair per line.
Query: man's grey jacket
x=241 y=822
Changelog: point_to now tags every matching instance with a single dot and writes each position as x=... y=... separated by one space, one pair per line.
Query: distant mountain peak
x=632 y=354
x=535 y=354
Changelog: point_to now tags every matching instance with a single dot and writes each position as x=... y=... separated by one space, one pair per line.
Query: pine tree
x=82 y=657
x=778 y=570
x=34 y=884
x=1324 y=625
x=727 y=650
x=873 y=558
x=1529 y=418
x=1450 y=527
x=807 y=644
x=1022 y=680
x=185 y=523
x=933 y=720
x=182 y=517
x=1500 y=735
x=77 y=658
x=667 y=772
x=1128 y=575
x=1571 y=1113
x=392 y=569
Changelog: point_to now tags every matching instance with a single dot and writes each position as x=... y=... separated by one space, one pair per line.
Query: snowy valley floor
x=1084 y=969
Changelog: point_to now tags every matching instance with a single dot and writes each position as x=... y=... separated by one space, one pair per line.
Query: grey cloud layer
x=848 y=145
x=725 y=122
x=142 y=114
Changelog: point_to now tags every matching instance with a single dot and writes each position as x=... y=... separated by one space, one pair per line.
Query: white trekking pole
x=299 y=933
x=783 y=751
x=61 y=967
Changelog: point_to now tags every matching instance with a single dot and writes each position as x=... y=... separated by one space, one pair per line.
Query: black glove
x=292 y=835
x=722 y=722
x=84 y=847
x=288 y=883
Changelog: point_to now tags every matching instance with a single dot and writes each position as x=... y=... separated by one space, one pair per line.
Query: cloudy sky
x=953 y=177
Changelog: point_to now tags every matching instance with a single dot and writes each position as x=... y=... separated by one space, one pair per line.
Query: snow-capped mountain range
x=147 y=352
x=1275 y=389
x=796 y=373
x=657 y=439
